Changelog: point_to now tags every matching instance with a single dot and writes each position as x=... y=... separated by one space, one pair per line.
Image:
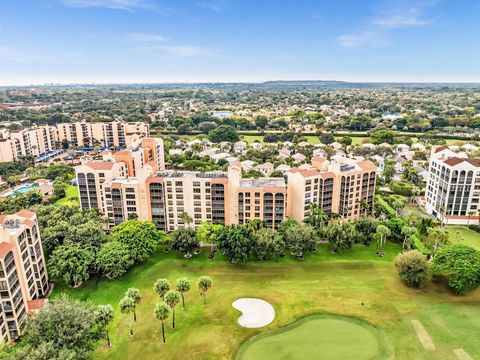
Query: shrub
x=460 y=265
x=413 y=268
x=402 y=188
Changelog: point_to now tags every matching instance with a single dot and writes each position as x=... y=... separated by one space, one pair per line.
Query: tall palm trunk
x=183 y=301
x=163 y=332
x=173 y=317
x=135 y=314
x=131 y=328
x=108 y=339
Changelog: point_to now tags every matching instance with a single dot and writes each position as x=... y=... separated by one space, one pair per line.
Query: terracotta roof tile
x=366 y=165
x=25 y=214
x=454 y=161
x=100 y=165
x=34 y=305
x=440 y=148
x=5 y=248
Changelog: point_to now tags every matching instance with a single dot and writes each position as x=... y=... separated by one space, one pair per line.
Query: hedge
x=402 y=188
x=417 y=244
x=385 y=207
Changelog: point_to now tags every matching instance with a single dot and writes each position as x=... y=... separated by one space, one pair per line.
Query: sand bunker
x=255 y=312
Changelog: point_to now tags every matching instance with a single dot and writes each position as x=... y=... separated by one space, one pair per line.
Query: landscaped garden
x=357 y=284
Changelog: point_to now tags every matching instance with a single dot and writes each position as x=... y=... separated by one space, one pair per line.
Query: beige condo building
x=114 y=133
x=23 y=275
x=34 y=141
x=344 y=186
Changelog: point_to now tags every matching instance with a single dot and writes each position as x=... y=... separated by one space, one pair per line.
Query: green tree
x=235 y=243
x=261 y=121
x=382 y=233
x=316 y=217
x=113 y=259
x=407 y=232
x=207 y=233
x=346 y=141
x=268 y=243
x=223 y=133
x=62 y=329
x=161 y=287
x=300 y=239
x=204 y=284
x=161 y=313
x=383 y=136
x=71 y=262
x=183 y=286
x=460 y=265
x=327 y=138
x=340 y=234
x=413 y=268
x=141 y=238
x=127 y=306
x=104 y=315
x=185 y=241
x=136 y=297
x=172 y=298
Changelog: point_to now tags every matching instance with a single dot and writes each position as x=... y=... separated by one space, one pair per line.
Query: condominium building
x=23 y=276
x=344 y=186
x=134 y=182
x=453 y=187
x=34 y=141
x=115 y=133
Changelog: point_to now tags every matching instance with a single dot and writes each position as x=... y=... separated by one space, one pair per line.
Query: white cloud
x=367 y=38
x=143 y=37
x=185 y=50
x=128 y=5
x=410 y=17
x=175 y=50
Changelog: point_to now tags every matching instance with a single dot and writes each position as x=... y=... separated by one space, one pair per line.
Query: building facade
x=23 y=275
x=125 y=185
x=453 y=187
x=109 y=134
x=345 y=187
x=34 y=141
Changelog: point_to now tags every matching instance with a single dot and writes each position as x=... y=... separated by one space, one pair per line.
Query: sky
x=150 y=41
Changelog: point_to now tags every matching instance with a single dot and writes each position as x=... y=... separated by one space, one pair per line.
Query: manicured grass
x=355 y=283
x=70 y=192
x=467 y=236
x=316 y=337
x=251 y=138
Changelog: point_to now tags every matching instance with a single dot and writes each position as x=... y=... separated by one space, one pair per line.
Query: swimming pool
x=24 y=189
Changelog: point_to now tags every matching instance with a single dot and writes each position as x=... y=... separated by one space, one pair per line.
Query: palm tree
x=316 y=217
x=161 y=312
x=255 y=224
x=470 y=214
x=204 y=284
x=183 y=286
x=161 y=287
x=187 y=219
x=104 y=316
x=134 y=294
x=407 y=232
x=437 y=237
x=172 y=298
x=382 y=233
x=127 y=306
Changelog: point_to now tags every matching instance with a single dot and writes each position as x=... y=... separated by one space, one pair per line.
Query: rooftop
x=262 y=182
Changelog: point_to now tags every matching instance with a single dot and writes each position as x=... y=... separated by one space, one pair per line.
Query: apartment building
x=23 y=275
x=453 y=187
x=343 y=186
x=115 y=133
x=34 y=141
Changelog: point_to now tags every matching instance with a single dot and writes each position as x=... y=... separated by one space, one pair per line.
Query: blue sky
x=64 y=41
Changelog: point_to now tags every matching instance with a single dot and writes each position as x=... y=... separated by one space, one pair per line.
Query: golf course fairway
x=318 y=337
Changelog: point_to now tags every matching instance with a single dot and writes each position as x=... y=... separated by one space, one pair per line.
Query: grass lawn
x=467 y=236
x=306 y=338
x=355 y=283
x=70 y=193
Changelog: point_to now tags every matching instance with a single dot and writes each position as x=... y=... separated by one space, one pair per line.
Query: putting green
x=319 y=337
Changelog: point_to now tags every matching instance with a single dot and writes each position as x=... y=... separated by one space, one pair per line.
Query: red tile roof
x=440 y=148
x=454 y=161
x=34 y=305
x=5 y=248
x=474 y=162
x=366 y=165
x=99 y=165
x=25 y=214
